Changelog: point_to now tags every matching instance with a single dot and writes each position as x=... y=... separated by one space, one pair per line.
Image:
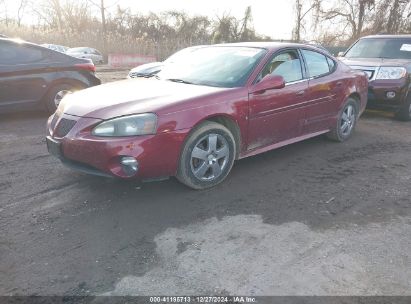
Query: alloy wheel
x=59 y=96
x=347 y=120
x=209 y=157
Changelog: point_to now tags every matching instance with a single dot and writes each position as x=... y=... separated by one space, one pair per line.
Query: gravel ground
x=312 y=218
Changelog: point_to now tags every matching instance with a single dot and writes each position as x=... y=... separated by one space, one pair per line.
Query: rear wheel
x=346 y=122
x=56 y=94
x=207 y=157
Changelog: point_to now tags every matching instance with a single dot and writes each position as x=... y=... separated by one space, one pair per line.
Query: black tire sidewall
x=354 y=103
x=185 y=174
x=404 y=113
x=51 y=106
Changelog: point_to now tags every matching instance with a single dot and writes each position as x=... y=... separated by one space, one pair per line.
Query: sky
x=274 y=18
x=270 y=17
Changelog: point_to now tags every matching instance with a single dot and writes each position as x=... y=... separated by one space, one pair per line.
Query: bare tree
x=102 y=9
x=313 y=9
x=21 y=10
x=4 y=12
x=227 y=28
x=351 y=12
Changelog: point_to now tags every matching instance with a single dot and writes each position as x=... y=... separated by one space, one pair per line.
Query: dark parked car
x=200 y=113
x=32 y=76
x=386 y=59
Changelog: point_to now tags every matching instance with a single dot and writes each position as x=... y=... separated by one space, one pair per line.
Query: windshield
x=179 y=55
x=381 y=48
x=218 y=66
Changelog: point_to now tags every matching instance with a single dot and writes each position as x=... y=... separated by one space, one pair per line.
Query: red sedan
x=199 y=114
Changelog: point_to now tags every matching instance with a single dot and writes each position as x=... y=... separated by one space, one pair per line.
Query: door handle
x=339 y=84
x=300 y=93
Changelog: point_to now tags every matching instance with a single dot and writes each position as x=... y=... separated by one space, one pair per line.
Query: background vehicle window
x=392 y=48
x=317 y=63
x=286 y=64
x=11 y=54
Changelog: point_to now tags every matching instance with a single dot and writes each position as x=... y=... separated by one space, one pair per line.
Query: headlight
x=391 y=73
x=133 y=125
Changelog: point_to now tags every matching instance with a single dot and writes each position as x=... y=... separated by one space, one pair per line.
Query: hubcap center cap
x=211 y=159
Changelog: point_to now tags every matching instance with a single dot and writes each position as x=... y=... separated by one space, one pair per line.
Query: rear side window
x=317 y=64
x=11 y=54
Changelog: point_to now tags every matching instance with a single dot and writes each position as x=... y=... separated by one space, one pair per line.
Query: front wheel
x=405 y=112
x=346 y=122
x=207 y=156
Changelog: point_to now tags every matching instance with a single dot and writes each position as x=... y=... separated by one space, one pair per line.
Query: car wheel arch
x=231 y=124
x=357 y=98
x=225 y=120
x=72 y=82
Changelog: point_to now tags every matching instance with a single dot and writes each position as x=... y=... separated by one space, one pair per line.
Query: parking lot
x=312 y=218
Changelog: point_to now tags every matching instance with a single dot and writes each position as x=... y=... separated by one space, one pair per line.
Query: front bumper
x=157 y=155
x=378 y=90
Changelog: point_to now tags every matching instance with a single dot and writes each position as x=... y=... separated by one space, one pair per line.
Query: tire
x=56 y=94
x=215 y=148
x=404 y=113
x=346 y=122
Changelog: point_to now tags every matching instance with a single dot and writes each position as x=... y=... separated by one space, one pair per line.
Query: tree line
x=116 y=29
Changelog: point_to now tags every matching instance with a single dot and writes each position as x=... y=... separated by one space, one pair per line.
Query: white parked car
x=86 y=52
x=56 y=47
x=152 y=68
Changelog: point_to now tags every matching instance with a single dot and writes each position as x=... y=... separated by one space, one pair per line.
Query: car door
x=277 y=115
x=324 y=88
x=21 y=74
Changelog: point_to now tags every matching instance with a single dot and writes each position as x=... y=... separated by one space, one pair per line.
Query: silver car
x=87 y=53
x=56 y=47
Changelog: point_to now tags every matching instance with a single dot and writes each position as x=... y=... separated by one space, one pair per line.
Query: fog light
x=390 y=94
x=129 y=165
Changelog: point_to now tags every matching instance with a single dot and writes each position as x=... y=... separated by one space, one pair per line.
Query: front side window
x=286 y=64
x=317 y=64
x=14 y=53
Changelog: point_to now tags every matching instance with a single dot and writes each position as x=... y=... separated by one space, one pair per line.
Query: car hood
x=375 y=62
x=132 y=97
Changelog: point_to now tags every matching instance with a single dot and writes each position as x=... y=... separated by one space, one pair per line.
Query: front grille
x=64 y=127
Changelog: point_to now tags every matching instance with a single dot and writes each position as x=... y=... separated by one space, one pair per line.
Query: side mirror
x=340 y=54
x=269 y=82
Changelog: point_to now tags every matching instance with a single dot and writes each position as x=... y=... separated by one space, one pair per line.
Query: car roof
x=387 y=36
x=20 y=41
x=272 y=45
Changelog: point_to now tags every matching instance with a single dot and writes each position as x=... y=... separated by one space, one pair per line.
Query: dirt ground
x=312 y=218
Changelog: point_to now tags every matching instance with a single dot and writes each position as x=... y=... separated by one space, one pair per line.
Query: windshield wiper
x=179 y=80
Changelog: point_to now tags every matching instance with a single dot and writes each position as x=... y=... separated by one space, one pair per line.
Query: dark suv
x=386 y=59
x=32 y=76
